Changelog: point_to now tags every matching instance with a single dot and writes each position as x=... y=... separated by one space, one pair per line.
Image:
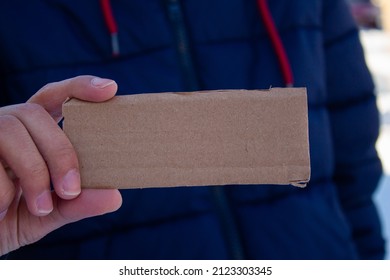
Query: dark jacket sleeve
x=355 y=126
x=3 y=96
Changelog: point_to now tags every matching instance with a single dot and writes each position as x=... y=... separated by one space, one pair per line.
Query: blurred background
x=373 y=17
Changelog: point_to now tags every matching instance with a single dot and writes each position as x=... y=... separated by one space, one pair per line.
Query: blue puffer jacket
x=173 y=45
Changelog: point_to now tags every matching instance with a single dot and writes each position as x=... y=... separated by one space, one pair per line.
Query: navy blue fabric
x=333 y=218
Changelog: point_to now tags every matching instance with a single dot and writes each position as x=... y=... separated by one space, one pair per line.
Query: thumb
x=89 y=88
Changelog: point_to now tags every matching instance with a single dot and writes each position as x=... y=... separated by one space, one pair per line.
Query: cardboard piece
x=192 y=139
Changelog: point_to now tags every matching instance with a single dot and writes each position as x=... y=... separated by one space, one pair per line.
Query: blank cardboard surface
x=192 y=139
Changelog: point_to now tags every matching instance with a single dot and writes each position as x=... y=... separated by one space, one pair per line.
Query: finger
x=8 y=170
x=89 y=88
x=22 y=156
x=53 y=145
x=7 y=192
x=91 y=202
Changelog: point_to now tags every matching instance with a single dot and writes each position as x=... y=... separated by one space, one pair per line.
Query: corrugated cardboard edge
x=302 y=182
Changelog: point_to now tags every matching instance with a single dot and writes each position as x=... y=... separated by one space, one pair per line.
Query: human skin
x=34 y=151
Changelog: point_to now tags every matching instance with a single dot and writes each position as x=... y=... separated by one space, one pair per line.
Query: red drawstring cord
x=276 y=42
x=111 y=25
x=265 y=14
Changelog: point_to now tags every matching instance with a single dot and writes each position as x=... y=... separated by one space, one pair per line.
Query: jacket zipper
x=191 y=81
x=175 y=14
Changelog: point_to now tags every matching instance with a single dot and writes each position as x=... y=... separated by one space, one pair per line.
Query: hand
x=34 y=152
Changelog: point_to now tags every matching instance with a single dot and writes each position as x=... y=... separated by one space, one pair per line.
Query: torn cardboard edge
x=222 y=137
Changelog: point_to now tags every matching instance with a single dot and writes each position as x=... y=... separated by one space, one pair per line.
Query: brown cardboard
x=191 y=139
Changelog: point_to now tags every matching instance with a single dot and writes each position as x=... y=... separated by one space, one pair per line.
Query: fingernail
x=71 y=183
x=2 y=214
x=101 y=83
x=44 y=203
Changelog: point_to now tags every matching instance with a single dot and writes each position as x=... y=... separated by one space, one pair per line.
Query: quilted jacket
x=184 y=45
